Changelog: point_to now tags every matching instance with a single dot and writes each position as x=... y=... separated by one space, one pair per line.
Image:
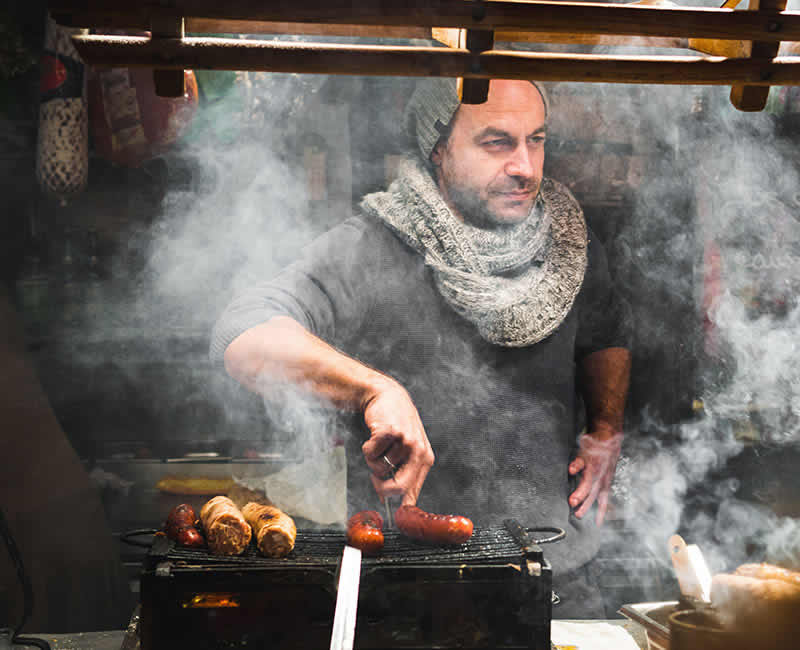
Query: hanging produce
x=62 y=151
x=129 y=122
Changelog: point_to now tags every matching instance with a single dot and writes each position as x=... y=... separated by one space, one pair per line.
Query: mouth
x=517 y=195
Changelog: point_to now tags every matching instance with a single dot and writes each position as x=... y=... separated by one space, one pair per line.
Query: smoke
x=709 y=258
x=707 y=255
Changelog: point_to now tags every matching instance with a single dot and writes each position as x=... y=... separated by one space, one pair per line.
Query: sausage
x=180 y=526
x=181 y=516
x=364 y=531
x=435 y=529
x=190 y=537
x=274 y=530
x=227 y=532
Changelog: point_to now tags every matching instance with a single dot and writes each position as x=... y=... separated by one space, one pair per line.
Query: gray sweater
x=502 y=421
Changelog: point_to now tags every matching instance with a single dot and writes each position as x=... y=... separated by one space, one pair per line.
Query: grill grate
x=324 y=548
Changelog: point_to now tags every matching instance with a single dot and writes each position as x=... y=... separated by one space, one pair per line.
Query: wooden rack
x=748 y=49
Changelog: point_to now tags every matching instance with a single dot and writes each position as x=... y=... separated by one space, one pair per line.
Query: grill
x=493 y=591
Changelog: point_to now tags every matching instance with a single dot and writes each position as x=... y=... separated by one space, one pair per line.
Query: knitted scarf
x=516 y=284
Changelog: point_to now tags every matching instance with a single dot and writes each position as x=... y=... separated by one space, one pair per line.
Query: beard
x=477 y=210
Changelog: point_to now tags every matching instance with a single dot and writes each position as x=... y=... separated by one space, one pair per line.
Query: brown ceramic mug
x=700 y=629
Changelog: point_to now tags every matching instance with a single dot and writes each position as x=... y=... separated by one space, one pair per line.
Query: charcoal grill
x=493 y=591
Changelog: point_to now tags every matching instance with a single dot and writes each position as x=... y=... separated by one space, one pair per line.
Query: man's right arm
x=281 y=350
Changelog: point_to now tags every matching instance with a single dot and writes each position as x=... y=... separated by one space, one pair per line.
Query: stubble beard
x=476 y=210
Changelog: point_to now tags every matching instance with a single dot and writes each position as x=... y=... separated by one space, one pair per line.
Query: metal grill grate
x=321 y=548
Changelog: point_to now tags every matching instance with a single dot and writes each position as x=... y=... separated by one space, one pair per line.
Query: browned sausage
x=435 y=529
x=180 y=526
x=191 y=537
x=181 y=516
x=364 y=532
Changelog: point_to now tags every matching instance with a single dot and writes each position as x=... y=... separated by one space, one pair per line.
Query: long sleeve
x=328 y=290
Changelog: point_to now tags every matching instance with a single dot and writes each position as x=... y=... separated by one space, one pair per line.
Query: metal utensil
x=390 y=504
x=344 y=618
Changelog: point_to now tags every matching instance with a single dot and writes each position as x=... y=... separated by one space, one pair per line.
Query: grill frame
x=490 y=592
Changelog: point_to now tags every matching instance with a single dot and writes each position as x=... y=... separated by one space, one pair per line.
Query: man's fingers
x=386 y=487
x=583 y=489
x=377 y=445
x=588 y=501
x=577 y=465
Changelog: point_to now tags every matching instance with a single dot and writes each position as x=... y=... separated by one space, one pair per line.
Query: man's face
x=490 y=169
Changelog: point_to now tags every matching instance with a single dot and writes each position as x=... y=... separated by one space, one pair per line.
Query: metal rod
x=498 y=15
x=315 y=58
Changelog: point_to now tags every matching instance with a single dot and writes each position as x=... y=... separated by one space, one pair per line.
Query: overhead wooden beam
x=453 y=37
x=316 y=58
x=498 y=15
x=754 y=98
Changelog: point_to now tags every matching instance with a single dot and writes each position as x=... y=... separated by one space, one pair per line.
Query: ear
x=436 y=154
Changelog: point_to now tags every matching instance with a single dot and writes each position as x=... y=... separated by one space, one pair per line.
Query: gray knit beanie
x=431 y=107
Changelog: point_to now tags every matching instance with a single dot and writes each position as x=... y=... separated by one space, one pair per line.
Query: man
x=451 y=314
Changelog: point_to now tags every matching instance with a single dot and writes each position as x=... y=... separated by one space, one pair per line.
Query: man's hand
x=396 y=432
x=597 y=459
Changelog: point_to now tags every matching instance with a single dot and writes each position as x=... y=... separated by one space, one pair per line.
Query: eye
x=497 y=142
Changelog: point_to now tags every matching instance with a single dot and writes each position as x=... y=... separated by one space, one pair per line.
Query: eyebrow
x=491 y=131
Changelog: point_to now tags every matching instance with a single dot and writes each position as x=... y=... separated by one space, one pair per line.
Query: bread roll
x=196 y=485
x=764 y=612
x=273 y=529
x=769 y=572
x=227 y=532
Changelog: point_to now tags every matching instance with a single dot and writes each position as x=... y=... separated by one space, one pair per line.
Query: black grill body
x=491 y=592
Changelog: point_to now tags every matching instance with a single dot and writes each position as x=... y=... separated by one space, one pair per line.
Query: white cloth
x=315 y=489
x=591 y=636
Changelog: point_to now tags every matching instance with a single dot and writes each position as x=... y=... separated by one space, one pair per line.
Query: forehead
x=510 y=105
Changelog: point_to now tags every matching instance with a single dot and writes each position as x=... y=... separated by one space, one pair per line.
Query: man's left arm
x=604 y=378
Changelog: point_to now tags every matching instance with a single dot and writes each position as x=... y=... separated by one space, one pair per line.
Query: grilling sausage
x=364 y=531
x=435 y=529
x=273 y=529
x=227 y=532
x=180 y=526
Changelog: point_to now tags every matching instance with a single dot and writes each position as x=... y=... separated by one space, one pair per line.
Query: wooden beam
x=498 y=15
x=168 y=83
x=754 y=98
x=453 y=37
x=218 y=26
x=316 y=58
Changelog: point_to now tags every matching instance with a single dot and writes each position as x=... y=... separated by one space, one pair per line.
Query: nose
x=520 y=163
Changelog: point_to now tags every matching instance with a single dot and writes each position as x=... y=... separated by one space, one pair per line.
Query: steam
x=724 y=286
x=241 y=204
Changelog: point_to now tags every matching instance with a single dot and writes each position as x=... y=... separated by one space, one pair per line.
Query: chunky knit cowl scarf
x=517 y=283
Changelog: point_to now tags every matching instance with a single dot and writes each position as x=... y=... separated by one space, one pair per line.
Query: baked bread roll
x=769 y=572
x=196 y=485
x=227 y=532
x=273 y=529
x=764 y=611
